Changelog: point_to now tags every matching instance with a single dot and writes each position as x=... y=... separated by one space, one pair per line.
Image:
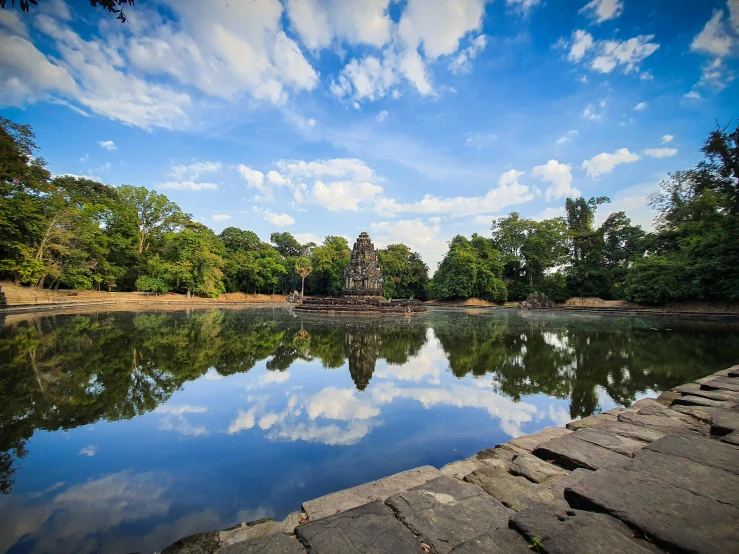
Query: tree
x=404 y=273
x=286 y=244
x=156 y=214
x=194 y=261
x=329 y=262
x=111 y=6
x=303 y=268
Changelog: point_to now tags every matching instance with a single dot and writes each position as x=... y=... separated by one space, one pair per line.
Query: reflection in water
x=419 y=386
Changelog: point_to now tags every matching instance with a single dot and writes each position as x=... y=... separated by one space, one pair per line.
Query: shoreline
x=662 y=474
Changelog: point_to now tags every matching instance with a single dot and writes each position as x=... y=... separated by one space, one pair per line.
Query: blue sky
x=413 y=120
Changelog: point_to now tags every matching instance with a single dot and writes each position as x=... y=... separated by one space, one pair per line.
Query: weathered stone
x=498 y=541
x=731 y=438
x=570 y=452
x=668 y=397
x=722 y=383
x=704 y=451
x=515 y=492
x=444 y=512
x=616 y=411
x=530 y=442
x=369 y=528
x=724 y=423
x=535 y=469
x=692 y=400
x=363 y=277
x=666 y=425
x=577 y=532
x=277 y=543
x=369 y=492
x=590 y=421
x=560 y=485
x=610 y=441
x=670 y=516
x=644 y=405
x=696 y=390
x=460 y=468
x=644 y=434
x=504 y=452
x=199 y=543
x=683 y=473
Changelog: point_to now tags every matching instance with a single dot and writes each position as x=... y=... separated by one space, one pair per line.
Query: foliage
x=404 y=273
x=329 y=262
x=112 y=6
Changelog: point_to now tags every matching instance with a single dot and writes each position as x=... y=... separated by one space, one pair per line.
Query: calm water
x=121 y=432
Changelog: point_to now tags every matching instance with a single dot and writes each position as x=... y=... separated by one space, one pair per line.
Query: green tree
x=194 y=258
x=303 y=268
x=156 y=214
x=405 y=275
x=329 y=262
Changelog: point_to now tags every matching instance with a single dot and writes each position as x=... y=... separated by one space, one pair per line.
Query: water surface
x=124 y=431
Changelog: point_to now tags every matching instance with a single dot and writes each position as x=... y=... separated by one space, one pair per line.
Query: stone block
x=369 y=492
x=513 y=491
x=570 y=452
x=535 y=469
x=277 y=543
x=663 y=424
x=530 y=442
x=498 y=541
x=636 y=432
x=673 y=518
x=444 y=512
x=372 y=528
x=668 y=397
x=560 y=485
x=461 y=468
x=199 y=543
x=704 y=451
x=610 y=441
x=695 y=390
x=722 y=383
x=590 y=421
x=693 y=400
x=731 y=438
x=577 y=532
x=724 y=423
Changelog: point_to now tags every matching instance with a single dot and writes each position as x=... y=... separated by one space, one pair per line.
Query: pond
x=124 y=431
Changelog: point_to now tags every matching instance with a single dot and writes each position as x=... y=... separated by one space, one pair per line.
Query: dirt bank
x=692 y=306
x=470 y=302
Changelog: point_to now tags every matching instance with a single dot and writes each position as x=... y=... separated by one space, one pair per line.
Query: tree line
x=76 y=233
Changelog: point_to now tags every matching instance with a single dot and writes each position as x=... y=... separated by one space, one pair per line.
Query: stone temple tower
x=362 y=276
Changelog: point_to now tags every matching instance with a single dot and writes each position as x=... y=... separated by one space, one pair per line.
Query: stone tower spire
x=362 y=276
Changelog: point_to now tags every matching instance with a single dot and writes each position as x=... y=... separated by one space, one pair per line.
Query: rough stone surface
x=460 y=468
x=630 y=431
x=696 y=390
x=577 y=532
x=668 y=397
x=499 y=541
x=199 y=543
x=731 y=438
x=535 y=469
x=277 y=543
x=444 y=512
x=560 y=485
x=670 y=516
x=530 y=442
x=610 y=441
x=666 y=425
x=702 y=413
x=260 y=528
x=590 y=421
x=515 y=492
x=369 y=492
x=700 y=479
x=504 y=452
x=704 y=451
x=722 y=383
x=372 y=528
x=571 y=452
x=692 y=400
x=724 y=423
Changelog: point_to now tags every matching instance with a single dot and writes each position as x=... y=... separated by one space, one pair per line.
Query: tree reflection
x=60 y=372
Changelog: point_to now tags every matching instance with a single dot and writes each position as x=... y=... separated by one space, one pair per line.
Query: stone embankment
x=662 y=476
x=360 y=306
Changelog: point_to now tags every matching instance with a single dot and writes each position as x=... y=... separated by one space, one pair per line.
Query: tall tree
x=404 y=273
x=156 y=214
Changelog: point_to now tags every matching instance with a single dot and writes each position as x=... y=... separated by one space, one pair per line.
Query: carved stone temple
x=363 y=291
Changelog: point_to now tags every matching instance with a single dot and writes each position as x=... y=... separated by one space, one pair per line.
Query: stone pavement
x=662 y=476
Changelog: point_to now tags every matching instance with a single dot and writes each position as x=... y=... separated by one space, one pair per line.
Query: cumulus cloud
x=254 y=178
x=603 y=10
x=641 y=106
x=660 y=152
x=605 y=56
x=89 y=451
x=420 y=236
x=591 y=112
x=194 y=170
x=187 y=185
x=604 y=162
x=276 y=219
x=560 y=177
x=716 y=41
x=461 y=62
x=108 y=145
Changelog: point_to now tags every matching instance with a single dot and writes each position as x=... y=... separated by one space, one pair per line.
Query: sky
x=413 y=120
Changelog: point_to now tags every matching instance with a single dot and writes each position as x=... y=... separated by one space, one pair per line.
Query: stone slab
x=668 y=397
x=722 y=383
x=646 y=404
x=369 y=492
x=514 y=492
x=259 y=528
x=590 y=421
x=199 y=543
x=461 y=468
x=636 y=432
x=673 y=518
x=560 y=485
x=708 y=452
x=701 y=413
x=277 y=543
x=724 y=423
x=731 y=438
x=666 y=425
x=444 y=513
x=610 y=441
x=535 y=469
x=504 y=452
x=530 y=442
x=372 y=528
x=693 y=400
x=577 y=532
x=683 y=473
x=570 y=452
x=499 y=541
x=696 y=390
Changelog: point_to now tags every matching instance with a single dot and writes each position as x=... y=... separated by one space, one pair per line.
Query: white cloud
x=187 y=185
x=89 y=451
x=180 y=409
x=716 y=41
x=109 y=145
x=604 y=56
x=272 y=377
x=480 y=140
x=567 y=137
x=461 y=62
x=382 y=116
x=220 y=217
x=194 y=170
x=667 y=138
x=254 y=178
x=523 y=5
x=591 y=113
x=417 y=234
x=660 y=152
x=560 y=177
x=305 y=238
x=641 y=106
x=603 y=10
x=714 y=38
x=634 y=201
x=693 y=95
x=278 y=220
x=549 y=213
x=604 y=163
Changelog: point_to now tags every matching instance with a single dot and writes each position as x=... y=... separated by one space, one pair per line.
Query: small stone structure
x=537 y=301
x=363 y=290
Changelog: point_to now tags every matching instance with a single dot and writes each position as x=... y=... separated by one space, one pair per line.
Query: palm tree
x=304 y=268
